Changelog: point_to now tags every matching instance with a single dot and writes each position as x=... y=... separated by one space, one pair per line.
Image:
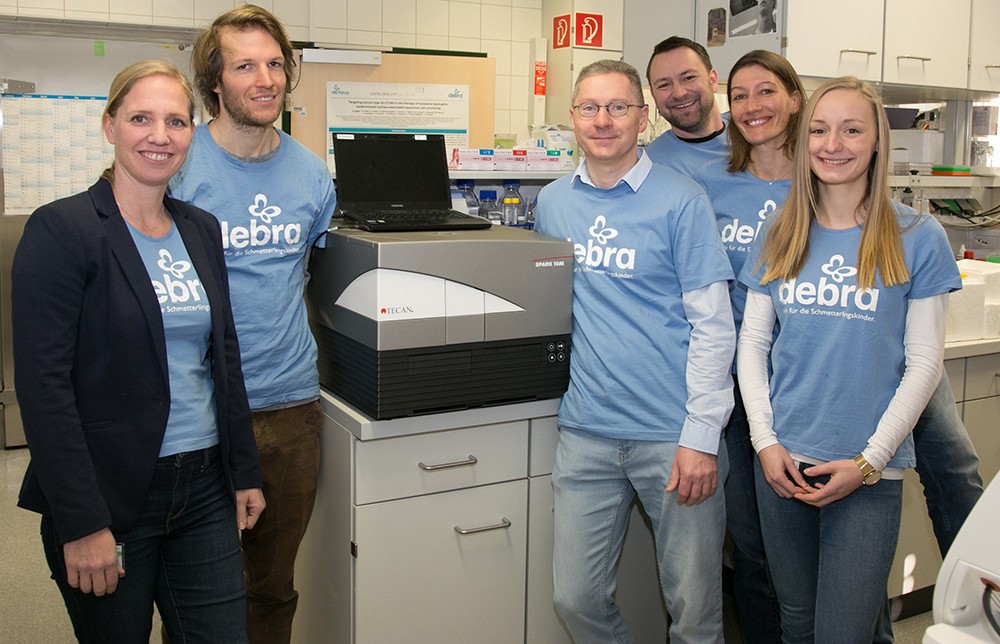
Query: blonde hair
x=126 y=79
x=881 y=248
x=739 y=147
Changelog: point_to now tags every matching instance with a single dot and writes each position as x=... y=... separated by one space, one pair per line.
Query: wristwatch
x=870 y=476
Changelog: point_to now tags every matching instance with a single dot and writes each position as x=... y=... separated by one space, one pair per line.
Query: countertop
x=366 y=428
x=971 y=348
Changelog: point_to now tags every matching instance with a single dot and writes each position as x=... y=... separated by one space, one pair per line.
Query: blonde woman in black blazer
x=97 y=360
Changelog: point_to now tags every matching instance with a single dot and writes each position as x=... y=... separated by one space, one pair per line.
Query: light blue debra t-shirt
x=639 y=246
x=687 y=156
x=742 y=203
x=271 y=213
x=187 y=324
x=838 y=355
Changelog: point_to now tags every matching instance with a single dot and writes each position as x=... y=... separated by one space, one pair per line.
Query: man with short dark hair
x=683 y=84
x=274 y=199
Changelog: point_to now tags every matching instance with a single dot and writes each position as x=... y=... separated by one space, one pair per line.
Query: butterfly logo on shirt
x=177 y=268
x=769 y=207
x=837 y=270
x=601 y=232
x=261 y=210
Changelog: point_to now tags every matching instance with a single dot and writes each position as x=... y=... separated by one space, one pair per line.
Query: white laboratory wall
x=647 y=22
x=502 y=29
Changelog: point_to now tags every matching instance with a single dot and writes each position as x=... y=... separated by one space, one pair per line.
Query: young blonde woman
x=858 y=288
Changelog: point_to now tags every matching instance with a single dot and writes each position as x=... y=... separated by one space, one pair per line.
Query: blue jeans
x=595 y=481
x=948 y=468
x=830 y=565
x=183 y=554
x=753 y=594
x=947 y=465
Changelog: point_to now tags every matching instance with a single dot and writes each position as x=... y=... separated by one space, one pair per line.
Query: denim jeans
x=948 y=468
x=595 y=481
x=947 y=465
x=753 y=595
x=830 y=565
x=183 y=554
x=288 y=444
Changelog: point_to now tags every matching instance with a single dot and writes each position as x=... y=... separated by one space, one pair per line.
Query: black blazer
x=90 y=362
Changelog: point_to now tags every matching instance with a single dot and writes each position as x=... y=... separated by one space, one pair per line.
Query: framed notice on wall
x=415 y=108
x=450 y=95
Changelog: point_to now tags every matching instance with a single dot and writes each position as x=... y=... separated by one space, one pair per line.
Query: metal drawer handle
x=992 y=66
x=472 y=460
x=504 y=523
x=922 y=59
x=866 y=52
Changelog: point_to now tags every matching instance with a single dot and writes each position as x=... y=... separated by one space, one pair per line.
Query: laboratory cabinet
x=984 y=46
x=438 y=529
x=927 y=43
x=974 y=371
x=909 y=42
x=421 y=529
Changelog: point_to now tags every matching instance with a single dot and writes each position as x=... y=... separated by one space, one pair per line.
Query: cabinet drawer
x=418 y=580
x=542 y=453
x=981 y=423
x=955 y=370
x=982 y=376
x=394 y=468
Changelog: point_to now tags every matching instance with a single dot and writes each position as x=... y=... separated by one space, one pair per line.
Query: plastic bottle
x=513 y=212
x=465 y=186
x=488 y=205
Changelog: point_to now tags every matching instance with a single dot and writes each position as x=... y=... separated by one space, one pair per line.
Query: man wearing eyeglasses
x=650 y=385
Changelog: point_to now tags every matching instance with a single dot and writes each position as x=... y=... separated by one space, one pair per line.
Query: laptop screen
x=391 y=172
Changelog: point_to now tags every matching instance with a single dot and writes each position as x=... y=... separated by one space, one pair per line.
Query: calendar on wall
x=52 y=147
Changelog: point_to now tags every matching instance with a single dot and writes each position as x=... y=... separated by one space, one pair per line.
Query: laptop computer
x=397 y=183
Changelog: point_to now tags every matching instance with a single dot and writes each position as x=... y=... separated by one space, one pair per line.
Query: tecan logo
x=396 y=310
x=263 y=229
x=602 y=255
x=831 y=290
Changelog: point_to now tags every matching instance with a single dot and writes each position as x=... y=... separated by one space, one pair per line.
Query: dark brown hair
x=739 y=147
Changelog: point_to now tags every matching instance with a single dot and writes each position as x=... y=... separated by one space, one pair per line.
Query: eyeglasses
x=616 y=109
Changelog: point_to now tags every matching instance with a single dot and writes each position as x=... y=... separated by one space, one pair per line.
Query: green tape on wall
x=98 y=47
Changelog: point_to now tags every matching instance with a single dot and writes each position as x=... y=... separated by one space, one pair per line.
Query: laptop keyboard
x=408 y=215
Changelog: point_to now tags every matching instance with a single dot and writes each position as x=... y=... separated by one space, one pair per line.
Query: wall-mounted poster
x=416 y=108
